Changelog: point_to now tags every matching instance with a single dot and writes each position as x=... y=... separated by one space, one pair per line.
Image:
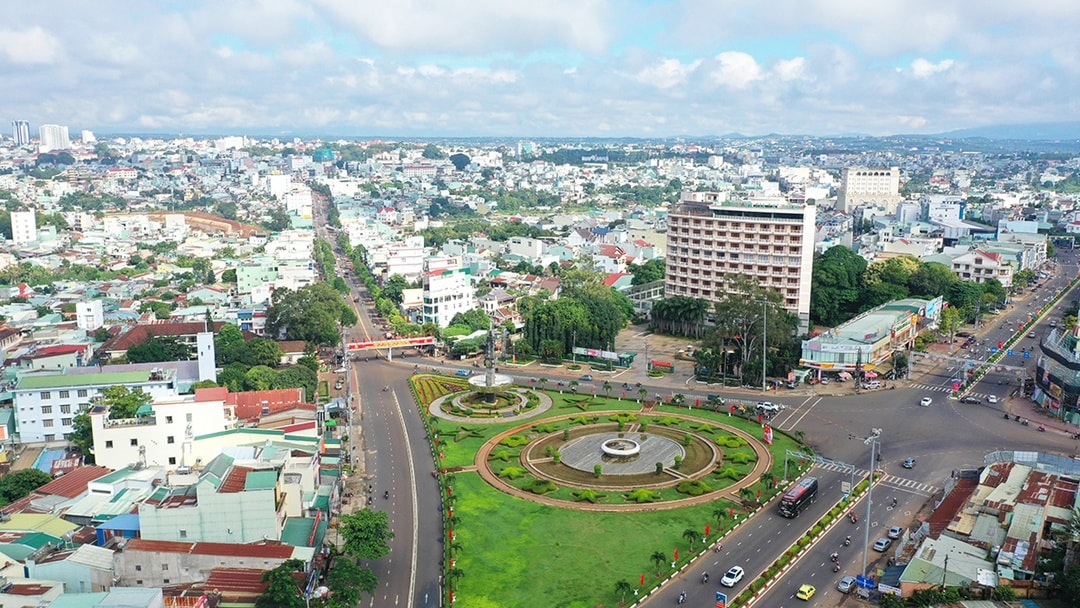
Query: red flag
x=731 y=512
x=451 y=596
x=706 y=530
x=731 y=408
x=450 y=511
x=768 y=434
x=697 y=402
x=641 y=581
x=449 y=490
x=450 y=534
x=676 y=554
x=759 y=493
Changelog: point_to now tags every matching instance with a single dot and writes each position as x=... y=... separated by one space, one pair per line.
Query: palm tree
x=607 y=388
x=542 y=381
x=622 y=587
x=455 y=547
x=455 y=573
x=641 y=394
x=678 y=399
x=658 y=558
x=719 y=513
x=690 y=535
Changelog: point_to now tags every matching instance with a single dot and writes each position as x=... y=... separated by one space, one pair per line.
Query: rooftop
x=41 y=381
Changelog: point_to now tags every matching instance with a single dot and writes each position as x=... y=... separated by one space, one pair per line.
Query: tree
x=690 y=535
x=658 y=558
x=278 y=219
x=475 y=318
x=347 y=580
x=393 y=288
x=432 y=152
x=283 y=590
x=311 y=313
x=157 y=349
x=122 y=402
x=834 y=294
x=260 y=378
x=652 y=270
x=298 y=376
x=365 y=533
x=17 y=484
x=460 y=161
x=623 y=587
x=260 y=351
x=719 y=512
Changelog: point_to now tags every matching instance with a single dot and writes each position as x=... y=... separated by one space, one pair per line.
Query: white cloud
x=922 y=68
x=667 y=73
x=30 y=46
x=791 y=69
x=736 y=69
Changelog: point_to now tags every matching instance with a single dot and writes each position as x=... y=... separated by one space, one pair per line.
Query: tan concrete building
x=768 y=240
x=871 y=187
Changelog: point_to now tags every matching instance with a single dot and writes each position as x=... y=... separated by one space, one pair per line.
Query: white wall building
x=164 y=437
x=45 y=404
x=23 y=226
x=89 y=316
x=875 y=187
x=53 y=137
x=446 y=293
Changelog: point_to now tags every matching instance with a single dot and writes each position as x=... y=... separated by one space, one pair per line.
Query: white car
x=925 y=401
x=991 y=399
x=770 y=408
x=732 y=577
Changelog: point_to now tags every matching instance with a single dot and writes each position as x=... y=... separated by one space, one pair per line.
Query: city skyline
x=560 y=68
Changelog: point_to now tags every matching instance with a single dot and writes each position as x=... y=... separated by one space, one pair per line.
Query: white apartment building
x=941 y=208
x=979 y=266
x=89 y=316
x=23 y=226
x=871 y=187
x=163 y=437
x=278 y=185
x=53 y=137
x=525 y=247
x=768 y=240
x=45 y=404
x=446 y=293
x=406 y=259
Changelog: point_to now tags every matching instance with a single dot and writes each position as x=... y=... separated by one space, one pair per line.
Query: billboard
x=397 y=343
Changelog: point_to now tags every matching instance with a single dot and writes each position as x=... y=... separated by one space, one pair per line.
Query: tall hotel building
x=871 y=187
x=53 y=137
x=768 y=240
x=20 y=132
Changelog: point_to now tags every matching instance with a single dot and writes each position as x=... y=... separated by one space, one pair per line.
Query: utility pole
x=872 y=441
x=764 y=343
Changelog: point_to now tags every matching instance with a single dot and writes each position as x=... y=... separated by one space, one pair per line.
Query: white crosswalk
x=893 y=481
x=946 y=389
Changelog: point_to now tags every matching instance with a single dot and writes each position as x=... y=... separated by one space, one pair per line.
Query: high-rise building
x=20 y=132
x=53 y=137
x=23 y=226
x=870 y=187
x=770 y=241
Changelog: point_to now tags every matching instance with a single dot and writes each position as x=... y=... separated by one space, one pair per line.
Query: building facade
x=90 y=315
x=872 y=187
x=23 y=226
x=770 y=241
x=53 y=137
x=46 y=404
x=446 y=293
x=20 y=132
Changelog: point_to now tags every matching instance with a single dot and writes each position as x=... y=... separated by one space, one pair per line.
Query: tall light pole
x=764 y=343
x=872 y=441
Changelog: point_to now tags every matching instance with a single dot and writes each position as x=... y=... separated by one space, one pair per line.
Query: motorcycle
x=682 y=597
x=847 y=541
x=836 y=567
x=1024 y=422
x=1042 y=429
x=386 y=494
x=1006 y=416
x=704 y=578
x=385 y=388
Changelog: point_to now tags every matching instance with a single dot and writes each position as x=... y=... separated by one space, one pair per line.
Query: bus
x=796 y=499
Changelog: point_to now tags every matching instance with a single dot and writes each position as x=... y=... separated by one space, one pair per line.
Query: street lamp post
x=872 y=441
x=764 y=343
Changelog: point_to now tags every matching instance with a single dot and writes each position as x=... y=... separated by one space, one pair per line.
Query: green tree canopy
x=837 y=276
x=653 y=270
x=159 y=348
x=123 y=402
x=18 y=484
x=311 y=313
x=366 y=533
x=283 y=590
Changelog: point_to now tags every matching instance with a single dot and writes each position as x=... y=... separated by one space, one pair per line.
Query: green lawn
x=518 y=553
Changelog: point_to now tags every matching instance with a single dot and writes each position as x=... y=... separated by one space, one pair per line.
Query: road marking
x=415 y=500
x=799 y=419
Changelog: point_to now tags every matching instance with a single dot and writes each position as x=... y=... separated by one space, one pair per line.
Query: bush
x=597 y=470
x=693 y=488
x=514 y=441
x=541 y=486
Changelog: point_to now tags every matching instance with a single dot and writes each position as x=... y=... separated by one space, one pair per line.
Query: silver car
x=846 y=584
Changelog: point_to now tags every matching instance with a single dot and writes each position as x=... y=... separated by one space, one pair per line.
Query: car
x=765 y=406
x=991 y=399
x=963 y=334
x=882 y=544
x=925 y=401
x=970 y=399
x=461 y=372
x=338 y=386
x=341 y=370
x=846 y=584
x=806 y=592
x=895 y=532
x=587 y=377
x=824 y=380
x=732 y=576
x=1031 y=335
x=909 y=463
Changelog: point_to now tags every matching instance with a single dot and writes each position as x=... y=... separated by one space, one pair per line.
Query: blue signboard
x=1009 y=352
x=864 y=582
x=993 y=349
x=1027 y=355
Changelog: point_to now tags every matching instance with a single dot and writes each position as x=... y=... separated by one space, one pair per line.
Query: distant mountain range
x=1054 y=131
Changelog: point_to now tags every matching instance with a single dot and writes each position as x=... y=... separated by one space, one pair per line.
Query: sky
x=539 y=68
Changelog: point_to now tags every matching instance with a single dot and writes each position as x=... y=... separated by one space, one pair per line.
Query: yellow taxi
x=806 y=592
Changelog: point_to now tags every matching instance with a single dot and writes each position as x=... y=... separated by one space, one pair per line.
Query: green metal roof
x=260 y=480
x=38 y=382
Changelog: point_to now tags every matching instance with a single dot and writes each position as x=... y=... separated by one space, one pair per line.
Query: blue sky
x=558 y=68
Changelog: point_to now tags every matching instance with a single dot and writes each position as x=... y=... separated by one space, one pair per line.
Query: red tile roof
x=234 y=481
x=141 y=333
x=247 y=580
x=265 y=549
x=74 y=483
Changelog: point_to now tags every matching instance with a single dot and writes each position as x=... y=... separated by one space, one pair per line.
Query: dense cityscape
x=268 y=372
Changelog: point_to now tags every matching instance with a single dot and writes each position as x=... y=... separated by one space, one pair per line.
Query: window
x=188 y=416
x=164 y=566
x=165 y=581
x=64 y=394
x=170 y=439
x=50 y=438
x=168 y=419
x=138 y=582
x=172 y=460
x=108 y=443
x=82 y=392
x=183 y=533
x=134 y=441
x=65 y=421
x=47 y=423
x=46 y=395
x=138 y=568
x=65 y=409
x=46 y=409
